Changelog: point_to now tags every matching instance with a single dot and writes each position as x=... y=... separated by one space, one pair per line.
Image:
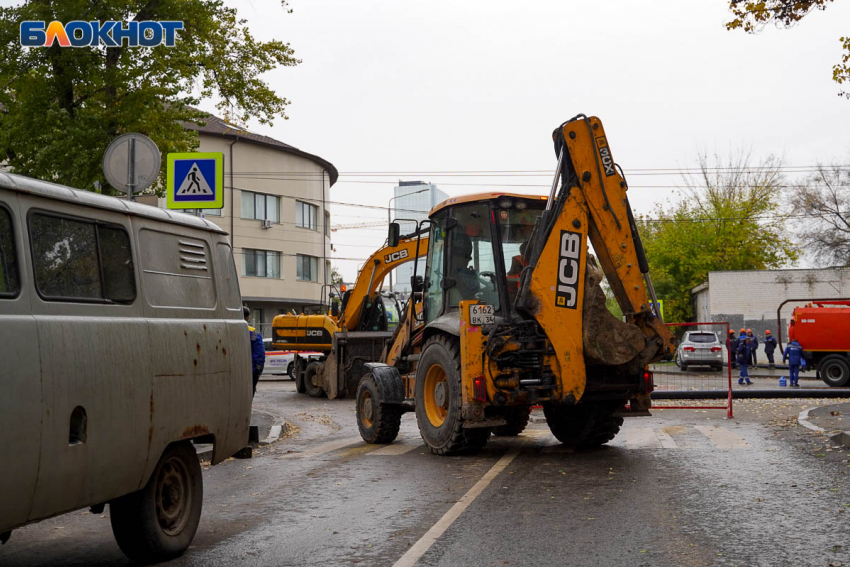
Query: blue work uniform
x=769 y=347
x=743 y=360
x=733 y=350
x=794 y=354
x=258 y=355
x=754 y=346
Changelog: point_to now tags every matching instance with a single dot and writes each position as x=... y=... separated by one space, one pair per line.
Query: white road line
x=721 y=437
x=642 y=438
x=325 y=448
x=666 y=441
x=397 y=448
x=426 y=541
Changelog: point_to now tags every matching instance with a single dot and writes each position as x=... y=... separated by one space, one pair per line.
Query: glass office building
x=412 y=200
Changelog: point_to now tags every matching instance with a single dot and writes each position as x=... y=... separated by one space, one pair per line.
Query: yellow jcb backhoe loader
x=368 y=319
x=513 y=314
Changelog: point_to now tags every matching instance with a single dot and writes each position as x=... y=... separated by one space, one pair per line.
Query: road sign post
x=131 y=163
x=195 y=181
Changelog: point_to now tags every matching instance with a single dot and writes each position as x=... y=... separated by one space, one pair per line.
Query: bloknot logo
x=110 y=34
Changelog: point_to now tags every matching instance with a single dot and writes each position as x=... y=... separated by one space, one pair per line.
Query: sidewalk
x=761 y=371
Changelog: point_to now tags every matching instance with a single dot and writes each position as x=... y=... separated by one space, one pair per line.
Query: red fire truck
x=822 y=328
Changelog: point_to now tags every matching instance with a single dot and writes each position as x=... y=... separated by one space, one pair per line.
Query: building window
x=258 y=206
x=78 y=260
x=306 y=215
x=327 y=223
x=308 y=268
x=260 y=263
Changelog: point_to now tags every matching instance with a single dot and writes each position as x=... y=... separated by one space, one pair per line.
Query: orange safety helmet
x=743 y=330
x=767 y=332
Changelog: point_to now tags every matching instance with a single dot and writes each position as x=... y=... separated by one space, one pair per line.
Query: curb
x=205 y=450
x=274 y=434
x=841 y=438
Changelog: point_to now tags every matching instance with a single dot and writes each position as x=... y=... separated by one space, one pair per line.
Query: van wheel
x=310 y=376
x=834 y=371
x=158 y=522
x=290 y=371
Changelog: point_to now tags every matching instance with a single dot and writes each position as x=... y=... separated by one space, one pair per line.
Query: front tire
x=438 y=395
x=834 y=371
x=158 y=522
x=310 y=376
x=583 y=426
x=378 y=422
x=517 y=422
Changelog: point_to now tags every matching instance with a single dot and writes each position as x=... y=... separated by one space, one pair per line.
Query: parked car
x=122 y=342
x=700 y=348
x=282 y=362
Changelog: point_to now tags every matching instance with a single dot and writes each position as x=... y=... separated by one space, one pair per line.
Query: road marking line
x=721 y=437
x=325 y=448
x=666 y=441
x=397 y=448
x=426 y=541
x=642 y=438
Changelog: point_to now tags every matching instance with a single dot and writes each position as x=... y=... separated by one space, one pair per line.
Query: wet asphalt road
x=683 y=487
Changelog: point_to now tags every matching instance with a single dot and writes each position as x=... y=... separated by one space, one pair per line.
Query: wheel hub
x=440 y=394
x=173 y=500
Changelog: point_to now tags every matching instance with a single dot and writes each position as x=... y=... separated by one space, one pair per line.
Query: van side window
x=80 y=260
x=10 y=281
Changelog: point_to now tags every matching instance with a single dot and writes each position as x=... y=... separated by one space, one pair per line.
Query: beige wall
x=288 y=176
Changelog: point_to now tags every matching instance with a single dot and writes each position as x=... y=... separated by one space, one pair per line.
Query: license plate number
x=481 y=315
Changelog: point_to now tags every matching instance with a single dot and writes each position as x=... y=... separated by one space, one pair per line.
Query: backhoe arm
x=374 y=271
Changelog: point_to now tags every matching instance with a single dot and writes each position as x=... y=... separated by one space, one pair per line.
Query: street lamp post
x=389 y=219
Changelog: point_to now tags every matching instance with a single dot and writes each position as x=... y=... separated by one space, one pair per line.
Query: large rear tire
x=378 y=422
x=310 y=376
x=158 y=522
x=834 y=371
x=517 y=421
x=583 y=426
x=438 y=395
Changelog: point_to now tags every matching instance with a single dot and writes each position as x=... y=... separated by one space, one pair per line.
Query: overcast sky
x=415 y=86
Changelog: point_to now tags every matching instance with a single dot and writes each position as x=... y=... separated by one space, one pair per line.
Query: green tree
x=730 y=219
x=752 y=16
x=61 y=107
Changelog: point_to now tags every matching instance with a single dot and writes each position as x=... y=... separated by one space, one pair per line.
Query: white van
x=121 y=341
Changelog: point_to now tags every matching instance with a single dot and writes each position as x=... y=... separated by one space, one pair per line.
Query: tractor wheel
x=517 y=421
x=438 y=394
x=311 y=375
x=834 y=371
x=583 y=426
x=378 y=422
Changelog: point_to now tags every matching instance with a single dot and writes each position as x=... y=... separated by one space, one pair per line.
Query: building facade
x=412 y=200
x=276 y=212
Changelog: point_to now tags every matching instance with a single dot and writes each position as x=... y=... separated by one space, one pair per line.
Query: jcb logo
x=311 y=333
x=605 y=154
x=569 y=264
x=396 y=256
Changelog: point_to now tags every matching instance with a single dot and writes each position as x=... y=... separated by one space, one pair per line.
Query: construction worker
x=744 y=359
x=732 y=345
x=769 y=347
x=794 y=355
x=754 y=345
x=258 y=350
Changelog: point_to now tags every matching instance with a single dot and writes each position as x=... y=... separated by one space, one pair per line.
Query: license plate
x=481 y=315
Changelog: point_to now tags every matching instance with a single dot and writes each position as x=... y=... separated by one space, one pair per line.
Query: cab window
x=471 y=270
x=433 y=291
x=10 y=282
x=516 y=224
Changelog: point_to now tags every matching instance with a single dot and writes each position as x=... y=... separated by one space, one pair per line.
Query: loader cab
x=478 y=247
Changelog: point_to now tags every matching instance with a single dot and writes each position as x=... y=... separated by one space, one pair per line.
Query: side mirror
x=394 y=233
x=417 y=283
x=335 y=309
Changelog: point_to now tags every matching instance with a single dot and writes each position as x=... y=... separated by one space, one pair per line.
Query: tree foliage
x=752 y=16
x=822 y=204
x=61 y=107
x=729 y=219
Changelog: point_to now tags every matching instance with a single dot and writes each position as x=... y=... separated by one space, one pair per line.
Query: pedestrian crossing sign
x=195 y=181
